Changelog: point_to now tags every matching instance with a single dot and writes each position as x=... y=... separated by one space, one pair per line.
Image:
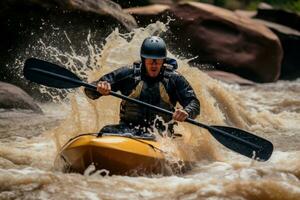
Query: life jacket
x=153 y=93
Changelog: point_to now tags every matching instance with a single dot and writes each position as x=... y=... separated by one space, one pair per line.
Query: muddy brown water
x=29 y=142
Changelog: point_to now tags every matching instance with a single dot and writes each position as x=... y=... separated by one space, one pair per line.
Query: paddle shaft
x=161 y=110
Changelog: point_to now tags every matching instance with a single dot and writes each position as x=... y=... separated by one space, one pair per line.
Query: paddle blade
x=250 y=145
x=49 y=74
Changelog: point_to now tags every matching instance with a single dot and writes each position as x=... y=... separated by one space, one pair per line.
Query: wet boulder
x=13 y=97
x=231 y=42
x=287 y=33
x=279 y=16
x=290 y=41
x=149 y=14
x=286 y=25
x=100 y=7
x=32 y=28
x=139 y=3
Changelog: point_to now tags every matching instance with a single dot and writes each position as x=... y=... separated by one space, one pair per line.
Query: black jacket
x=177 y=87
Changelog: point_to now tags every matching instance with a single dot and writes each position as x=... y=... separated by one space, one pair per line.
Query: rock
x=165 y=2
x=139 y=3
x=234 y=43
x=290 y=41
x=245 y=13
x=228 y=77
x=148 y=14
x=264 y=5
x=101 y=7
x=33 y=28
x=147 y=10
x=14 y=97
x=286 y=25
x=279 y=16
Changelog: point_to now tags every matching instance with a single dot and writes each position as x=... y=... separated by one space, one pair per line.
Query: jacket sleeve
x=115 y=78
x=187 y=97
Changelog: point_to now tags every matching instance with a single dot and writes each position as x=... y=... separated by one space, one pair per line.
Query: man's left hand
x=180 y=115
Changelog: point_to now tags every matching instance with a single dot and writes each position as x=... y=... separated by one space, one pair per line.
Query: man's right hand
x=103 y=87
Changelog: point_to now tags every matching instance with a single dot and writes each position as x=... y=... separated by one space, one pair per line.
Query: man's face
x=153 y=66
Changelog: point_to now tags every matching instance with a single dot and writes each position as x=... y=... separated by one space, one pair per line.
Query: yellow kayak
x=120 y=155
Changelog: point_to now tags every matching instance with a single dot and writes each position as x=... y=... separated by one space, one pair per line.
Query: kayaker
x=153 y=80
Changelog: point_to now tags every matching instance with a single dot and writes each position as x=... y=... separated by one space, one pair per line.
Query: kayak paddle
x=238 y=140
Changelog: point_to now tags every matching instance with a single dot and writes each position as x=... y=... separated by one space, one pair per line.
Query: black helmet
x=153 y=47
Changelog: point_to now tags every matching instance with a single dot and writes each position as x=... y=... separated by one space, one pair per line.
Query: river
x=29 y=142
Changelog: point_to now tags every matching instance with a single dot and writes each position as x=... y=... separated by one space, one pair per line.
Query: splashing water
x=269 y=110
